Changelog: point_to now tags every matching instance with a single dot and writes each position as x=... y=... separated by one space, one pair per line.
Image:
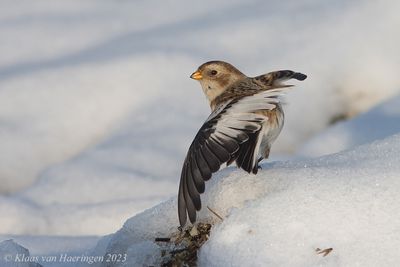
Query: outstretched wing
x=221 y=136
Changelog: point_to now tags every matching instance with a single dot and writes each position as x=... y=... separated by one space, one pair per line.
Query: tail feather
x=245 y=158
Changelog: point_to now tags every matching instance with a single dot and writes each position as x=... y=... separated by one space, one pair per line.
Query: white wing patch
x=240 y=116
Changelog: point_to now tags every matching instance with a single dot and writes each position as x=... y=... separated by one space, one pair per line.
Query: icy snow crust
x=347 y=201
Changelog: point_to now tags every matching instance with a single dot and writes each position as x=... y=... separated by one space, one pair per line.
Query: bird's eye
x=213 y=72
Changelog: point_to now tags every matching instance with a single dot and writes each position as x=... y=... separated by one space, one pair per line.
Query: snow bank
x=48 y=251
x=381 y=121
x=14 y=255
x=346 y=201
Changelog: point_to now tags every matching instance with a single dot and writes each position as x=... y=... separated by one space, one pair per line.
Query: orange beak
x=196 y=75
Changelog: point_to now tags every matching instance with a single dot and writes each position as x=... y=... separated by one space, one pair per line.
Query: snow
x=345 y=201
x=80 y=71
x=12 y=254
x=377 y=123
x=47 y=251
x=97 y=112
x=279 y=217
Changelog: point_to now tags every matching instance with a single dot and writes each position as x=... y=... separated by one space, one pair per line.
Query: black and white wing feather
x=229 y=126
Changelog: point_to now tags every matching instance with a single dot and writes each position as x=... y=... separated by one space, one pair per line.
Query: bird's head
x=215 y=77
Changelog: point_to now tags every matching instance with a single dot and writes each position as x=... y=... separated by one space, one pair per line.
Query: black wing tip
x=182 y=220
x=299 y=76
x=192 y=216
x=182 y=210
x=184 y=213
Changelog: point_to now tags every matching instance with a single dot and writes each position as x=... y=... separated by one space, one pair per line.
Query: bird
x=246 y=118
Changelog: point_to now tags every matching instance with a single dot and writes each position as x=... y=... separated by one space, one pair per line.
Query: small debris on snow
x=193 y=231
x=182 y=251
x=324 y=252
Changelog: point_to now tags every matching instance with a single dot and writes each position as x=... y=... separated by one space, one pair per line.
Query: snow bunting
x=246 y=118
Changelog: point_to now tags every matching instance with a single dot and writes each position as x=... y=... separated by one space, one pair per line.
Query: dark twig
x=162 y=239
x=216 y=214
